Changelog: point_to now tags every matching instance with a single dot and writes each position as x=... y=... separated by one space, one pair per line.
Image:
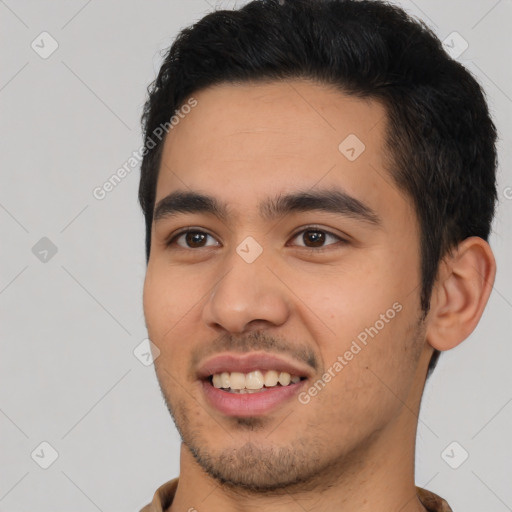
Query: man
x=317 y=221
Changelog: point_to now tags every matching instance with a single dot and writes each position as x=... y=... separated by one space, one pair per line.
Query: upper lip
x=245 y=363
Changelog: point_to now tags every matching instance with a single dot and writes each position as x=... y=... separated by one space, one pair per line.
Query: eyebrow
x=329 y=200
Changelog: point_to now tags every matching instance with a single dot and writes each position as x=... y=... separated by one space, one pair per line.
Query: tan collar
x=164 y=495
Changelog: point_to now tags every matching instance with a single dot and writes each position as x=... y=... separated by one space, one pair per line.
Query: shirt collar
x=164 y=495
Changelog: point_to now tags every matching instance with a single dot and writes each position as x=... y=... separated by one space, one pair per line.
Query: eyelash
x=175 y=236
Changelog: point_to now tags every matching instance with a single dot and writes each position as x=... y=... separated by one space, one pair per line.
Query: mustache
x=255 y=341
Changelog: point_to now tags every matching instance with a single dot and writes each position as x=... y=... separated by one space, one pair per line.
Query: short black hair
x=440 y=138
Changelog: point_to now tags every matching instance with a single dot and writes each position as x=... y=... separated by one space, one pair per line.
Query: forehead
x=244 y=143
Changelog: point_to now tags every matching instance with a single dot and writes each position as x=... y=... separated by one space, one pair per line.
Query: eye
x=316 y=237
x=193 y=239
x=313 y=238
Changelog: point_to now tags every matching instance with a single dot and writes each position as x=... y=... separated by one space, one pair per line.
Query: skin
x=351 y=447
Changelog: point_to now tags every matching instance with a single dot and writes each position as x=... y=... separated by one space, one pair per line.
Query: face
x=303 y=259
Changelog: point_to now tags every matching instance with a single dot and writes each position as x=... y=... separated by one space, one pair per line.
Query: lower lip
x=249 y=404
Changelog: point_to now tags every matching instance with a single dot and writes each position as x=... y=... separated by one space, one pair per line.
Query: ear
x=460 y=294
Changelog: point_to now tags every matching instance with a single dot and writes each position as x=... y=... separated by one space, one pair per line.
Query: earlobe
x=461 y=292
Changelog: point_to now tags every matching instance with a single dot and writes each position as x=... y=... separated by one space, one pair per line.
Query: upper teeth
x=253 y=380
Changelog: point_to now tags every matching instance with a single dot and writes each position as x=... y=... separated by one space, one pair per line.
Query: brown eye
x=317 y=238
x=193 y=239
x=313 y=237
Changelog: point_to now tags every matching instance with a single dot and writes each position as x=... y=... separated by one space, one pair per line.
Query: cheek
x=152 y=299
x=348 y=300
x=369 y=325
x=165 y=307
x=166 y=299
x=368 y=390
x=169 y=295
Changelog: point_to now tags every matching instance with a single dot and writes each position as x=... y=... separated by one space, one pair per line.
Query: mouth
x=251 y=384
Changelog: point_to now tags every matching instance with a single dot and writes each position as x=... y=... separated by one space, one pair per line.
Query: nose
x=249 y=296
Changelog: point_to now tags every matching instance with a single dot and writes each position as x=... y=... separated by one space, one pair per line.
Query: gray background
x=69 y=325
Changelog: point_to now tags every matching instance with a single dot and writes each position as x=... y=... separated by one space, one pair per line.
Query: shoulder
x=432 y=502
x=163 y=497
